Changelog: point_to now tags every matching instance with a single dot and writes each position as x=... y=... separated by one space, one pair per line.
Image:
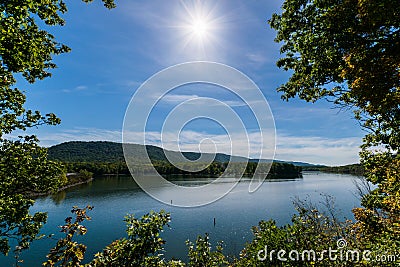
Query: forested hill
x=103 y=151
x=108 y=158
x=77 y=151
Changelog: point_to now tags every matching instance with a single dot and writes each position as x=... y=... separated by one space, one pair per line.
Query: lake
x=113 y=197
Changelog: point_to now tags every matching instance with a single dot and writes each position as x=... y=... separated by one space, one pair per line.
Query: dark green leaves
x=334 y=47
x=24 y=172
x=68 y=252
x=26 y=50
x=349 y=52
x=142 y=246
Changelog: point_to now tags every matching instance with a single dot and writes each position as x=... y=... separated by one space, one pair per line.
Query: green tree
x=201 y=253
x=311 y=230
x=348 y=52
x=142 y=246
x=68 y=252
x=26 y=52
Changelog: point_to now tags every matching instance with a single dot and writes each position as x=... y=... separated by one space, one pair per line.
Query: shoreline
x=60 y=189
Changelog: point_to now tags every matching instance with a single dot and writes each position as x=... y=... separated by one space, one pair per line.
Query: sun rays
x=199 y=25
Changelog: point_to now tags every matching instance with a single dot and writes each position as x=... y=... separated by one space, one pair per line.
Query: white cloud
x=176 y=99
x=257 y=58
x=81 y=87
x=77 y=88
x=329 y=151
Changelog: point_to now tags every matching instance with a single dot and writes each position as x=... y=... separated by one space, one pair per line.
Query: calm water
x=235 y=214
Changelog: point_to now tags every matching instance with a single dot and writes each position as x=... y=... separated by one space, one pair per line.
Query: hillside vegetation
x=108 y=158
x=103 y=151
x=354 y=169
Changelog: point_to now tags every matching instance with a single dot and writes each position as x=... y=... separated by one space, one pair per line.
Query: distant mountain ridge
x=105 y=151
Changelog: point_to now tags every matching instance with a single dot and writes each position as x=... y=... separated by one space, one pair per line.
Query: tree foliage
x=142 y=246
x=68 y=252
x=201 y=253
x=24 y=170
x=26 y=52
x=354 y=169
x=312 y=229
x=349 y=52
x=346 y=50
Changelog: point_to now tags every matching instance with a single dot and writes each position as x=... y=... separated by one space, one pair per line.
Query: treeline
x=354 y=169
x=277 y=170
x=100 y=158
x=97 y=168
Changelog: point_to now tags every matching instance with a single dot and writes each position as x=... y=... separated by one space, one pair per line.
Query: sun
x=199 y=28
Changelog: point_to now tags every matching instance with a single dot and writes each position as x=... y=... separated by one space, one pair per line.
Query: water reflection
x=59 y=197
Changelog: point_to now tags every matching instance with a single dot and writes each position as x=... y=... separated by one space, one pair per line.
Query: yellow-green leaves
x=349 y=52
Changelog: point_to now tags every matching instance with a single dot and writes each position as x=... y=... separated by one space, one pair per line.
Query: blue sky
x=114 y=52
